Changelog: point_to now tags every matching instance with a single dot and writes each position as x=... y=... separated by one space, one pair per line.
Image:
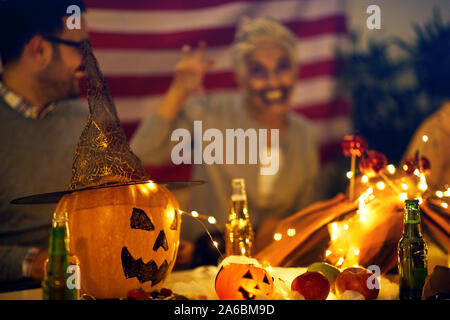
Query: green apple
x=329 y=271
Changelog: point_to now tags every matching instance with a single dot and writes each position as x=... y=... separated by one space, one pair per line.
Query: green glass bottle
x=55 y=284
x=412 y=255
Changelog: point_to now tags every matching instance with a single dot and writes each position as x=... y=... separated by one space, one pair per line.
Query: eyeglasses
x=75 y=44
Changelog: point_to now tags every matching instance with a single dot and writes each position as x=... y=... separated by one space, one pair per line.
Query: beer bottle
x=239 y=235
x=412 y=254
x=55 y=284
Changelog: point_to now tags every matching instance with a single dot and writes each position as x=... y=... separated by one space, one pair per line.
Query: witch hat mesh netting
x=103 y=154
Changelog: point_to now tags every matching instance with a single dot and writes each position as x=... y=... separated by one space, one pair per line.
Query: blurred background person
x=266 y=66
x=40 y=124
x=436 y=148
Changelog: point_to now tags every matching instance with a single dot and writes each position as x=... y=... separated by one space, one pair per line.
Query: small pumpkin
x=125 y=237
x=236 y=281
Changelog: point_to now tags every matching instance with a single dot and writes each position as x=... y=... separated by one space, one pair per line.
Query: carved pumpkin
x=125 y=237
x=238 y=281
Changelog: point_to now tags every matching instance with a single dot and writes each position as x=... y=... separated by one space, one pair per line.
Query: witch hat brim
x=54 y=197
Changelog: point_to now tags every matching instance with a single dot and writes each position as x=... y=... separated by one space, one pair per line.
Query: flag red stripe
x=330 y=151
x=338 y=107
x=170 y=172
x=213 y=37
x=319 y=68
x=161 y=5
x=133 y=86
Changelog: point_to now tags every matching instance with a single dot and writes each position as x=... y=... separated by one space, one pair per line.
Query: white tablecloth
x=199 y=284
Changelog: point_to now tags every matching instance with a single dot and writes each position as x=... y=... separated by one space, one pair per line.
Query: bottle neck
x=59 y=239
x=239 y=208
x=411 y=223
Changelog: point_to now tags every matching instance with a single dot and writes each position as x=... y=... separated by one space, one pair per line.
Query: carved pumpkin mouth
x=247 y=295
x=143 y=271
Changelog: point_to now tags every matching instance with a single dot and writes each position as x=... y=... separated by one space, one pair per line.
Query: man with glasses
x=40 y=125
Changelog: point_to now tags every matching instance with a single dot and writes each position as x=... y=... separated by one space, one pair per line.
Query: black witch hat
x=103 y=158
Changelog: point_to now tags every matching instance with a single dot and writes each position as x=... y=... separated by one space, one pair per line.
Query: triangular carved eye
x=174 y=224
x=265 y=280
x=140 y=220
x=248 y=275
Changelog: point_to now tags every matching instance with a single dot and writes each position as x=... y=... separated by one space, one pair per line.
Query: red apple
x=356 y=279
x=312 y=285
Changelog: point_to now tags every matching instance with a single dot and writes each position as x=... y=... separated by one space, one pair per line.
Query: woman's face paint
x=270 y=79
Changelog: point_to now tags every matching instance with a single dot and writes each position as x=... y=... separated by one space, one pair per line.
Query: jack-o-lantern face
x=137 y=268
x=243 y=282
x=124 y=237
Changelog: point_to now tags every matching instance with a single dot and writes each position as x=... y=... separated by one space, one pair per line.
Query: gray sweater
x=36 y=157
x=291 y=189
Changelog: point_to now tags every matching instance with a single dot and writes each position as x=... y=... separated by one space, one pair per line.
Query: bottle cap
x=412 y=203
x=238 y=186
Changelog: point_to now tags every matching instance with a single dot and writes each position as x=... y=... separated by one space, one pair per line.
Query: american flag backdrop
x=138 y=42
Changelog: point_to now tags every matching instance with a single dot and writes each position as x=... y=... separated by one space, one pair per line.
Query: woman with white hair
x=266 y=67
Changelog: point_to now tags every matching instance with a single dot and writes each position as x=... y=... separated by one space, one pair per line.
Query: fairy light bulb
x=349 y=174
x=212 y=220
x=425 y=138
x=334 y=231
x=444 y=205
x=391 y=168
x=439 y=194
x=334 y=227
x=380 y=185
x=364 y=179
x=151 y=185
x=422 y=186
x=194 y=213
x=277 y=236
x=291 y=232
x=404 y=186
x=403 y=196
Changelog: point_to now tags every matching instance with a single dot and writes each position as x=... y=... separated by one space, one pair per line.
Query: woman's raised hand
x=191 y=69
